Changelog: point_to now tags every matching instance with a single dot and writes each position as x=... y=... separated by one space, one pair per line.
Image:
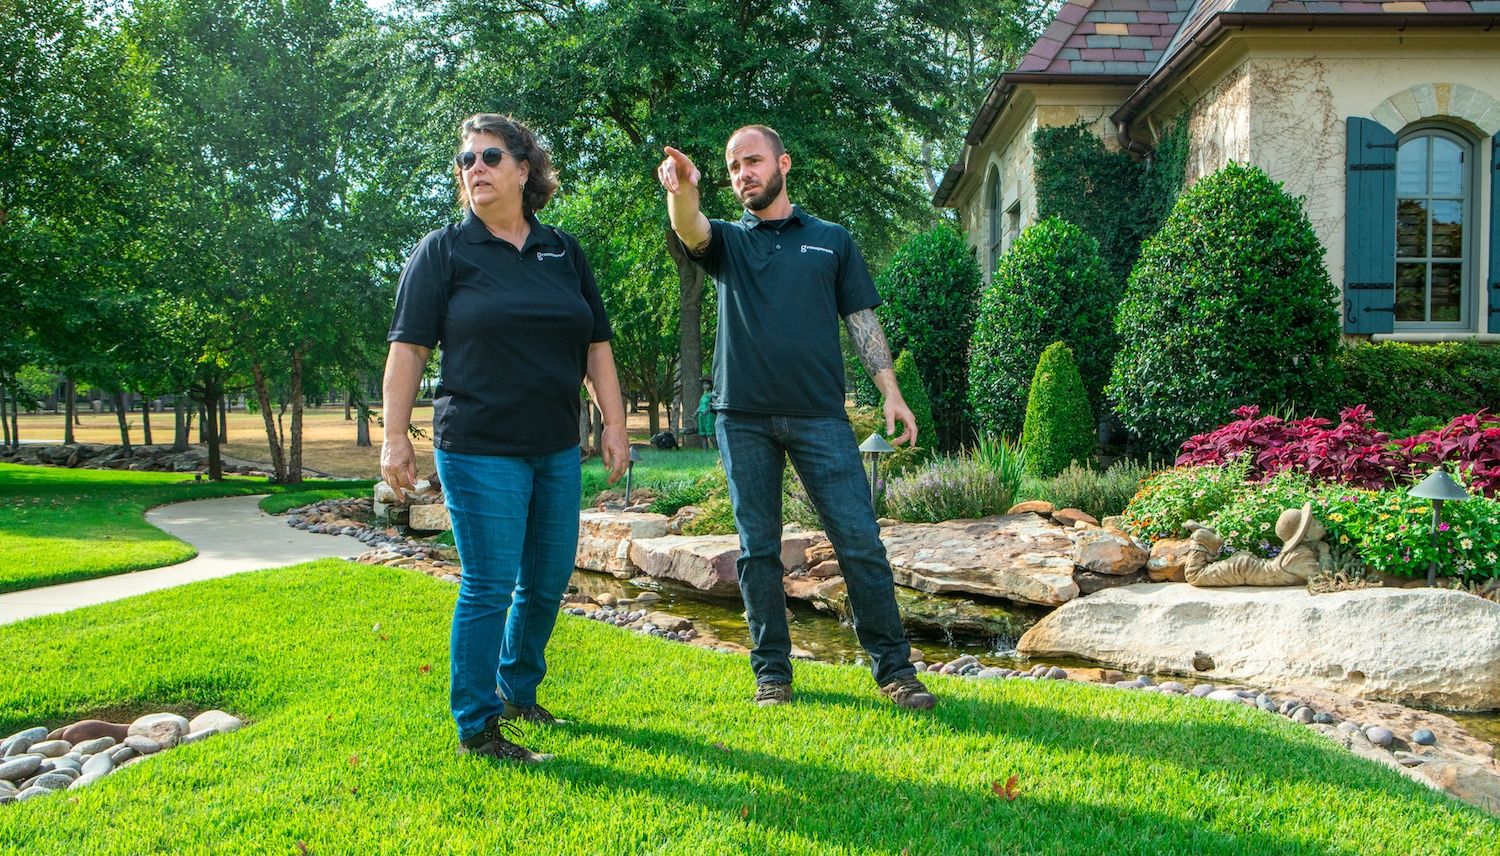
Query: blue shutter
x=1495 y=234
x=1370 y=228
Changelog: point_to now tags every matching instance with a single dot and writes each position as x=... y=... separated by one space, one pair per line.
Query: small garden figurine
x=1304 y=553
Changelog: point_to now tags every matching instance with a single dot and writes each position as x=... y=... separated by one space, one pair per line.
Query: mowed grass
x=61 y=525
x=341 y=672
x=658 y=471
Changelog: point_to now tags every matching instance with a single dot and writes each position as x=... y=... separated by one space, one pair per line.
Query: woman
x=513 y=305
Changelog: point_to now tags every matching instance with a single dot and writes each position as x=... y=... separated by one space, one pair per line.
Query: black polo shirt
x=782 y=288
x=514 y=327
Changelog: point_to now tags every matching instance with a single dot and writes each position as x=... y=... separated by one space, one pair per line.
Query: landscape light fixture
x=1438 y=487
x=873 y=447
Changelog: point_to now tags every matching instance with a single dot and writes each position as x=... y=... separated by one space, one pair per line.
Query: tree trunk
x=203 y=424
x=211 y=393
x=224 y=418
x=273 y=439
x=585 y=426
x=180 y=416
x=362 y=429
x=15 y=424
x=120 y=413
x=690 y=296
x=349 y=406
x=294 y=466
x=653 y=416
x=70 y=411
x=146 y=419
x=4 y=422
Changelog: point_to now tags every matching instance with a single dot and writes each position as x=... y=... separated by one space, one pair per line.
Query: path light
x=874 y=446
x=1438 y=487
x=635 y=456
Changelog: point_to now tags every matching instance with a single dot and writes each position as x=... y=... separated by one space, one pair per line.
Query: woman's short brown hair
x=541 y=180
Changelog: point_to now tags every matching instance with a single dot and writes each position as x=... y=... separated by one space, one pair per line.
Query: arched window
x=1435 y=260
x=995 y=213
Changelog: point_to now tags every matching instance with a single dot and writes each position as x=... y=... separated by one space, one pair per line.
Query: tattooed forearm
x=869 y=341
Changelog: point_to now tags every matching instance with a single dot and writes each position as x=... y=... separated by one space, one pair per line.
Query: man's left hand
x=615 y=449
x=896 y=410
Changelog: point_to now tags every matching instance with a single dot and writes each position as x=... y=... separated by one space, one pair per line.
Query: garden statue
x=1302 y=555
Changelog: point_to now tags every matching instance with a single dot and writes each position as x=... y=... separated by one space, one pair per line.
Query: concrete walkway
x=231 y=536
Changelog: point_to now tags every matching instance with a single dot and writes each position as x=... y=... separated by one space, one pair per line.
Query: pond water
x=832 y=641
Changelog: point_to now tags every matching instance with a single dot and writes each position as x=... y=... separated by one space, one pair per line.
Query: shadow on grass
x=872 y=813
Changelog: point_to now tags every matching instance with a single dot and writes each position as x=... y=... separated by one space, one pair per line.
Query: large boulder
x=604 y=539
x=705 y=562
x=1168 y=562
x=1018 y=557
x=1427 y=647
x=1105 y=552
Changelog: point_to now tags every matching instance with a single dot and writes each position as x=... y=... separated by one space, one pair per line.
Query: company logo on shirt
x=540 y=256
x=806 y=247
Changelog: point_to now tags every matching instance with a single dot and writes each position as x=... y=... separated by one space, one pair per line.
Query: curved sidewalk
x=231 y=536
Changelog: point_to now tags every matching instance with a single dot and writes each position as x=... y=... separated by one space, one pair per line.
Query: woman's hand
x=615 y=449
x=398 y=464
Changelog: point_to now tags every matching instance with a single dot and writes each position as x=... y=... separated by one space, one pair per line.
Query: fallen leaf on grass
x=354 y=760
x=721 y=747
x=1007 y=790
x=302 y=848
x=744 y=812
x=424 y=668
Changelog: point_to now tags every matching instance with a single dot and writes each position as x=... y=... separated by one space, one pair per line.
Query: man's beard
x=766 y=193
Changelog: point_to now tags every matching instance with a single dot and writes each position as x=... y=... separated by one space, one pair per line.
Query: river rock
x=100 y=764
x=22 y=741
x=216 y=719
x=165 y=728
x=143 y=745
x=1168 y=561
x=1426 y=647
x=20 y=768
x=705 y=562
x=604 y=539
x=90 y=729
x=51 y=748
x=98 y=744
x=669 y=623
x=1017 y=557
x=1103 y=552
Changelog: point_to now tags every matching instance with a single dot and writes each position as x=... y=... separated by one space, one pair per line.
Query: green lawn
x=657 y=470
x=349 y=749
x=60 y=525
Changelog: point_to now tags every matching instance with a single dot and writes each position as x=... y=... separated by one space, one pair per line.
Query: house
x=1383 y=116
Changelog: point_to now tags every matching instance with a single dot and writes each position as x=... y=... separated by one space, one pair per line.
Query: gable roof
x=1144 y=43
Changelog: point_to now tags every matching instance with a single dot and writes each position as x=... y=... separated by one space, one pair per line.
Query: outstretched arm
x=869 y=343
x=680 y=177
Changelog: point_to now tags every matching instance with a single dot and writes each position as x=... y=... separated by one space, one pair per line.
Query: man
x=784 y=279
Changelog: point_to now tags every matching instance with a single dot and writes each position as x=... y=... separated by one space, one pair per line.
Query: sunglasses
x=491 y=156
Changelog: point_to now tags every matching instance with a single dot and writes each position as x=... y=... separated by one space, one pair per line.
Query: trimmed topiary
x=1060 y=429
x=910 y=379
x=1050 y=287
x=1229 y=305
x=929 y=291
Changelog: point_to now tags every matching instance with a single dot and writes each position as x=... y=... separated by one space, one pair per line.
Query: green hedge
x=908 y=375
x=1229 y=305
x=929 y=292
x=1060 y=429
x=1050 y=287
x=1409 y=385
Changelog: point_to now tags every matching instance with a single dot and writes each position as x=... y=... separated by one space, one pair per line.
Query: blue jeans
x=754 y=448
x=515 y=521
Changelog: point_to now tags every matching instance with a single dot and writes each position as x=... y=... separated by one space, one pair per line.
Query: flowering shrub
x=1171 y=497
x=1393 y=533
x=1472 y=441
x=1351 y=453
x=950 y=488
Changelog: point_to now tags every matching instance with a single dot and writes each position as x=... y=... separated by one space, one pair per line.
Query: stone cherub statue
x=1304 y=554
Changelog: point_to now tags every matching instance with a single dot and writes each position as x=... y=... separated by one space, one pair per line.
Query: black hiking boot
x=493 y=742
x=910 y=693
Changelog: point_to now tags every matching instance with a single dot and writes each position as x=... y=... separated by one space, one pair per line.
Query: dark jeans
x=822 y=449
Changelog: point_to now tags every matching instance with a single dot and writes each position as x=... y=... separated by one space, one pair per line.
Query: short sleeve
x=422 y=293
x=590 y=290
x=712 y=255
x=855 y=288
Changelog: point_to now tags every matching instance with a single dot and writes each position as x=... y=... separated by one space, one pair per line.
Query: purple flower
x=1443 y=527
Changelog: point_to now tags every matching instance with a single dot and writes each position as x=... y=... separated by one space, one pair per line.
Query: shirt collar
x=475 y=232
x=751 y=221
